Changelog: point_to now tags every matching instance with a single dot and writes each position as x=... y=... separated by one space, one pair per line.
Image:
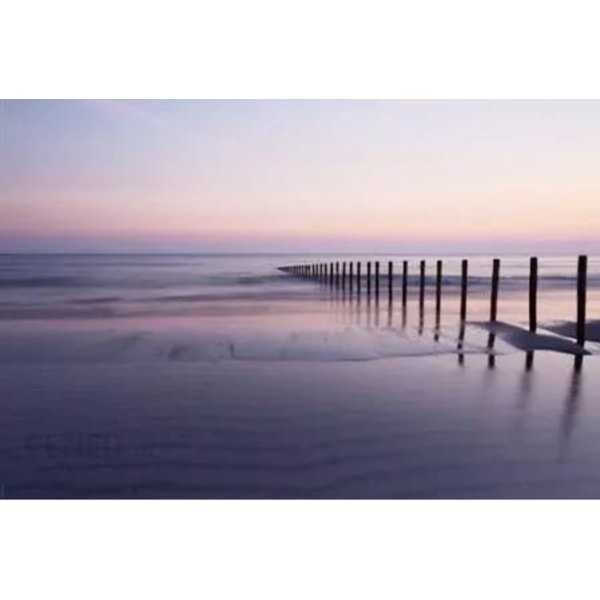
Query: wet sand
x=382 y=409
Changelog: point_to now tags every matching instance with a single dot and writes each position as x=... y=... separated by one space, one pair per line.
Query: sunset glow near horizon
x=295 y=176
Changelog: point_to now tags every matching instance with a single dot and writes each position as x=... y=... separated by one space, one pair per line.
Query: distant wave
x=43 y=281
x=134 y=281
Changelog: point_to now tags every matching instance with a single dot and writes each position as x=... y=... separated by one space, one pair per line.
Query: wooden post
x=331 y=274
x=350 y=275
x=390 y=280
x=533 y=284
x=581 y=298
x=358 y=276
x=377 y=280
x=464 y=277
x=344 y=275
x=422 y=286
x=438 y=289
x=368 y=279
x=494 y=295
x=337 y=274
x=404 y=282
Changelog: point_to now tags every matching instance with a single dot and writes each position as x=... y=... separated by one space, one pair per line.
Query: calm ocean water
x=49 y=286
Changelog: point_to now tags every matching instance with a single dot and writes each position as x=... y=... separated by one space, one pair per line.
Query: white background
x=308 y=49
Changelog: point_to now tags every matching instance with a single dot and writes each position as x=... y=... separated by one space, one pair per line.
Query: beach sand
x=314 y=401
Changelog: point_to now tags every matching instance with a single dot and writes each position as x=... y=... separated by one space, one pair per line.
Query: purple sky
x=300 y=176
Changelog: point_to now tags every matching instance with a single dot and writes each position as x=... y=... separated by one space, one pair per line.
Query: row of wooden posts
x=344 y=276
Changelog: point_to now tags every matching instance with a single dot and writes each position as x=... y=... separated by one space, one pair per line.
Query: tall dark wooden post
x=404 y=282
x=350 y=276
x=377 y=280
x=438 y=289
x=390 y=281
x=533 y=284
x=493 y=311
x=422 y=286
x=337 y=274
x=581 y=298
x=494 y=294
x=464 y=278
x=369 y=279
x=358 y=279
x=344 y=275
x=331 y=274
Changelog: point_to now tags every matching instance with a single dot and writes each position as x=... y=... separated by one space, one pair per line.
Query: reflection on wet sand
x=371 y=310
x=571 y=411
x=490 y=346
x=523 y=398
x=461 y=343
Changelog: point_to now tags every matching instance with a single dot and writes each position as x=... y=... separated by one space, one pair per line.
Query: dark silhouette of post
x=369 y=279
x=533 y=285
x=337 y=274
x=377 y=280
x=438 y=290
x=358 y=276
x=404 y=282
x=464 y=276
x=494 y=294
x=344 y=275
x=581 y=298
x=350 y=276
x=422 y=286
x=390 y=280
x=331 y=274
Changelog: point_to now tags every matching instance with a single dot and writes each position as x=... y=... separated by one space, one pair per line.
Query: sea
x=42 y=286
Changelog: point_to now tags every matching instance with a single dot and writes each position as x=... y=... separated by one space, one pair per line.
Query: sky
x=300 y=176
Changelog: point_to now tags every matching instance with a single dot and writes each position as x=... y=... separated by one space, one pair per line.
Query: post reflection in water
x=524 y=393
x=436 y=330
x=529 y=360
x=461 y=343
x=571 y=410
x=490 y=346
